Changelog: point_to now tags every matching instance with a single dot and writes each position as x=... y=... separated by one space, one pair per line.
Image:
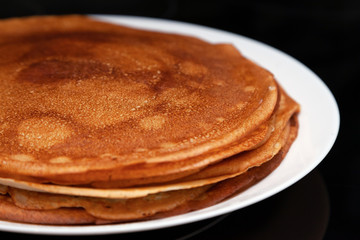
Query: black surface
x=321 y=34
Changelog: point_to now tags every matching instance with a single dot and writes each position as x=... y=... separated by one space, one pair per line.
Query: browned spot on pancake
x=220 y=119
x=181 y=97
x=42 y=133
x=218 y=82
x=61 y=159
x=192 y=68
x=152 y=123
x=3 y=127
x=168 y=145
x=54 y=70
x=141 y=150
x=93 y=104
x=23 y=157
x=249 y=89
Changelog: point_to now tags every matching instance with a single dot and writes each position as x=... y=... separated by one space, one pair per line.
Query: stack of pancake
x=101 y=123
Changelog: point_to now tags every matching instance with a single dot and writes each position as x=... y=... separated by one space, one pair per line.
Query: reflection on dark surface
x=324 y=36
x=299 y=212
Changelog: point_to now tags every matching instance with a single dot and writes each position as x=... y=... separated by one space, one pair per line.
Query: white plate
x=319 y=125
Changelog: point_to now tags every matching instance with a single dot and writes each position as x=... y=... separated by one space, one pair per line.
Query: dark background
x=321 y=34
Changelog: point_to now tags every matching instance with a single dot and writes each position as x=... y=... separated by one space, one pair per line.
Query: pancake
x=167 y=171
x=227 y=168
x=82 y=96
x=287 y=107
x=45 y=208
x=101 y=123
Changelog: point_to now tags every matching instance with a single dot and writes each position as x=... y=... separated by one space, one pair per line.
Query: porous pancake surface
x=227 y=168
x=44 y=208
x=79 y=95
x=100 y=123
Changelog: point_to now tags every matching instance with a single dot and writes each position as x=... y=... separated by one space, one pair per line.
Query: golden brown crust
x=162 y=123
x=215 y=194
x=236 y=185
x=73 y=106
x=227 y=168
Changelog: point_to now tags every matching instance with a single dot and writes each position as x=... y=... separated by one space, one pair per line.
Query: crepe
x=55 y=209
x=225 y=169
x=107 y=123
x=77 y=89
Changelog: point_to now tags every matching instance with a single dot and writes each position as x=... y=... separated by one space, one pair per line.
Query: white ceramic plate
x=319 y=125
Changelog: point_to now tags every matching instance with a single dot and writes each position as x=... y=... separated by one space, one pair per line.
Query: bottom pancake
x=44 y=208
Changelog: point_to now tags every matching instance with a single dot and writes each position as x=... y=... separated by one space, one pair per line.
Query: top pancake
x=79 y=95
